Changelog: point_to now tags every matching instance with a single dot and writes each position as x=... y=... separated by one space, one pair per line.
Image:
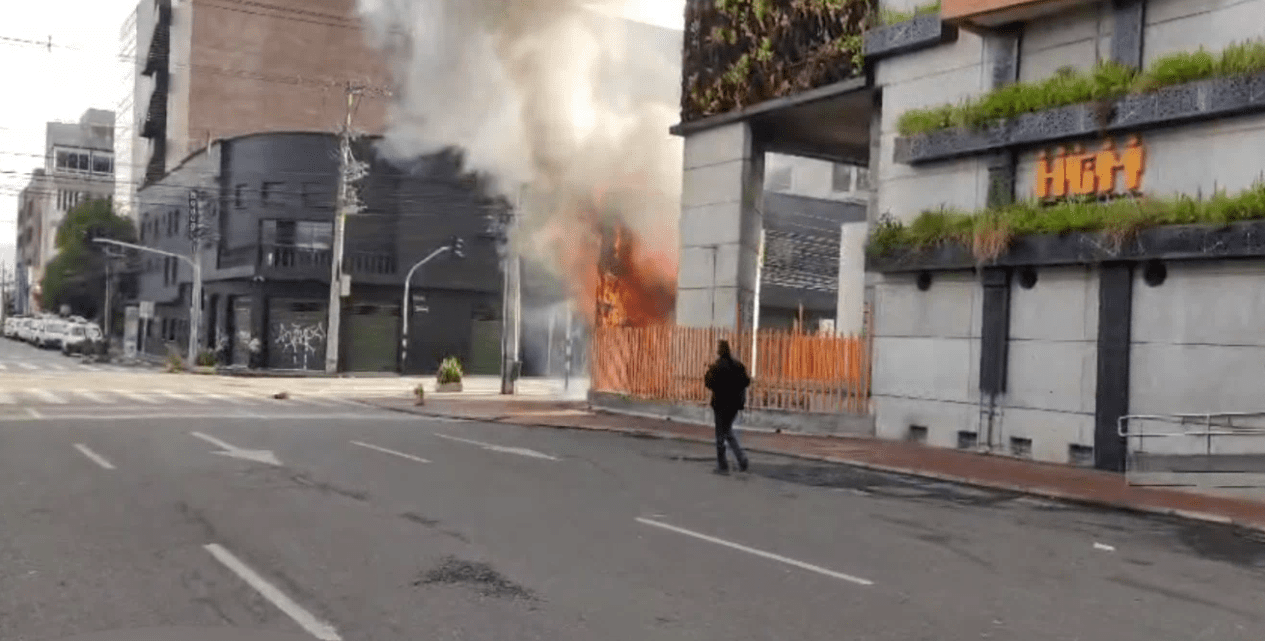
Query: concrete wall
x=926 y=356
x=1198 y=340
x=949 y=73
x=1053 y=364
x=720 y=226
x=1187 y=25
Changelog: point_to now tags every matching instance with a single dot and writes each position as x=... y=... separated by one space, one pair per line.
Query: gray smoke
x=546 y=94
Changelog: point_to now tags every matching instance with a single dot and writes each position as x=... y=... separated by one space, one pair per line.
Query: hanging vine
x=741 y=52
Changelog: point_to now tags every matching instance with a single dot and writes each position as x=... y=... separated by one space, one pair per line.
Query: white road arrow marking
x=258 y=456
x=521 y=451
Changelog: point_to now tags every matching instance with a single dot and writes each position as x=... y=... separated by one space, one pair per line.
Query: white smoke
x=546 y=94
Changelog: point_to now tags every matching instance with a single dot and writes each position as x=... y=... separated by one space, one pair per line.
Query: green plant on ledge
x=449 y=371
x=741 y=52
x=1104 y=82
x=988 y=234
x=892 y=16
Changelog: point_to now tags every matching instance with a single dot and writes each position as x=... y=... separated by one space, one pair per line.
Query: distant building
x=813 y=272
x=266 y=206
x=78 y=167
x=210 y=70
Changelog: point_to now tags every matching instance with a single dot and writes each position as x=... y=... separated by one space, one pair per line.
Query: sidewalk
x=1061 y=482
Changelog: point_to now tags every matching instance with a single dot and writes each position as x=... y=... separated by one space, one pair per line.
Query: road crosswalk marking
x=184 y=397
x=6 y=398
x=139 y=398
x=48 y=397
x=3 y=367
x=28 y=366
x=94 y=397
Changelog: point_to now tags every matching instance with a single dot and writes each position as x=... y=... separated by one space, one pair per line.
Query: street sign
x=147 y=309
x=345 y=285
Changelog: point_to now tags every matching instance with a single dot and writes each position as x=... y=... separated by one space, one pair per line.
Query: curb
x=1058 y=495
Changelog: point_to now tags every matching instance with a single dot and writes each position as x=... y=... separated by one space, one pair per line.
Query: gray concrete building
x=265 y=215
x=1046 y=346
x=78 y=166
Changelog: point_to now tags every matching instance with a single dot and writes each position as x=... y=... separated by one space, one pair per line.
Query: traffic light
x=458 y=246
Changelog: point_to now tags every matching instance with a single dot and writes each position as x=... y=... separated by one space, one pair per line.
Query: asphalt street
x=362 y=524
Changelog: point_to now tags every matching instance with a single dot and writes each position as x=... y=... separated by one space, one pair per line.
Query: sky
x=82 y=71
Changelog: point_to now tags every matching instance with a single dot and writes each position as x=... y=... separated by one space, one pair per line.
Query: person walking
x=728 y=380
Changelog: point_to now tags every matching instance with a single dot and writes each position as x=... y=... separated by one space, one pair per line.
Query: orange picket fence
x=790 y=370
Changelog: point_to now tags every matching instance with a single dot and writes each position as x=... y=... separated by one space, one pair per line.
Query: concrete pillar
x=721 y=205
x=850 y=308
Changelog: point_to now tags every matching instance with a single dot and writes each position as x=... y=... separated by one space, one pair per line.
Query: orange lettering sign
x=1081 y=173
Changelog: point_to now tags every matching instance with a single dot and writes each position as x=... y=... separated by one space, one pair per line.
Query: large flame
x=616 y=278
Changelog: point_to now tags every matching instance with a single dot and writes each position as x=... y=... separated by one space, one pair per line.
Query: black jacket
x=728 y=380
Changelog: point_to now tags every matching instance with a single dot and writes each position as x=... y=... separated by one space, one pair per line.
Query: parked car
x=82 y=338
x=11 y=326
x=53 y=333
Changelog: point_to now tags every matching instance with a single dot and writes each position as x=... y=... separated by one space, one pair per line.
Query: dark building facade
x=261 y=207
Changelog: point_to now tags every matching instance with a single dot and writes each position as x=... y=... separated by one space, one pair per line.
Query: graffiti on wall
x=301 y=344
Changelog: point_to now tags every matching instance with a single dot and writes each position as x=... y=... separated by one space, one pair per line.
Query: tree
x=76 y=276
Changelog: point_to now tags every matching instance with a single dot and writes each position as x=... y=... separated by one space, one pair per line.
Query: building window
x=311 y=194
x=63 y=159
x=102 y=164
x=307 y=234
x=780 y=179
x=239 y=195
x=270 y=194
x=841 y=177
x=863 y=179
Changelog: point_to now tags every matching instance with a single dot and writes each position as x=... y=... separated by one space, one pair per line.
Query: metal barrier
x=1206 y=426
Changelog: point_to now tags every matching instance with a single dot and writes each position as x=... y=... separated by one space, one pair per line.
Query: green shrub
x=892 y=16
x=207 y=358
x=1069 y=86
x=988 y=233
x=450 y=370
x=175 y=362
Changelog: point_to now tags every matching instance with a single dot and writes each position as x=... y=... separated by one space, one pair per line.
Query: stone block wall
x=926 y=356
x=948 y=73
x=720 y=226
x=1052 y=373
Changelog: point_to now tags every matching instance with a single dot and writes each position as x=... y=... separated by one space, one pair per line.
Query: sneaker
x=742 y=465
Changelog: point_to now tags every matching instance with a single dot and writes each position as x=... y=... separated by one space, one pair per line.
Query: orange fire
x=616 y=279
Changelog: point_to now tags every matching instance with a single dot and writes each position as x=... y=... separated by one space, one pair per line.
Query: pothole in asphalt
x=480 y=576
x=1244 y=548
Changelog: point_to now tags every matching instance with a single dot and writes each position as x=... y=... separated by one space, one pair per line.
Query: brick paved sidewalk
x=1000 y=472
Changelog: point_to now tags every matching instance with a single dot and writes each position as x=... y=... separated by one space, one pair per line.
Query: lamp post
x=195 y=303
x=457 y=247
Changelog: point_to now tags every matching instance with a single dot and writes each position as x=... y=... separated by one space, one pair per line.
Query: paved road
x=367 y=525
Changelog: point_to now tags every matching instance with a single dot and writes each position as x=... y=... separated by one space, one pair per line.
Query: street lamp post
x=457 y=248
x=195 y=304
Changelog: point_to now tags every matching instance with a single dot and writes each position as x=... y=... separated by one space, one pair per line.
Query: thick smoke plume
x=555 y=97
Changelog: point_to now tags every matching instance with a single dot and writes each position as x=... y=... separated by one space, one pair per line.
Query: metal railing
x=290 y=257
x=1206 y=426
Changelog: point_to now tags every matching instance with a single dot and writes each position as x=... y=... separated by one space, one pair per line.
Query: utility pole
x=349 y=171
x=511 y=304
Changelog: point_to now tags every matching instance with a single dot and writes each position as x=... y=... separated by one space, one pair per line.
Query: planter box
x=921 y=32
x=448 y=387
x=1193 y=101
x=1171 y=242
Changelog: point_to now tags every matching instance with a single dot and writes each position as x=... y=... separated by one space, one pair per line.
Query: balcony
x=311 y=262
x=987 y=14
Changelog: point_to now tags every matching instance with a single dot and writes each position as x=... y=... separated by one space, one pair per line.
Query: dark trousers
x=725 y=434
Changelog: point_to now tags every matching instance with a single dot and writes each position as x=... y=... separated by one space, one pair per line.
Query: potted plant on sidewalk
x=449 y=377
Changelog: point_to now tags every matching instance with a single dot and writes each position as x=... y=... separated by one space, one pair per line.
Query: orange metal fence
x=792 y=371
